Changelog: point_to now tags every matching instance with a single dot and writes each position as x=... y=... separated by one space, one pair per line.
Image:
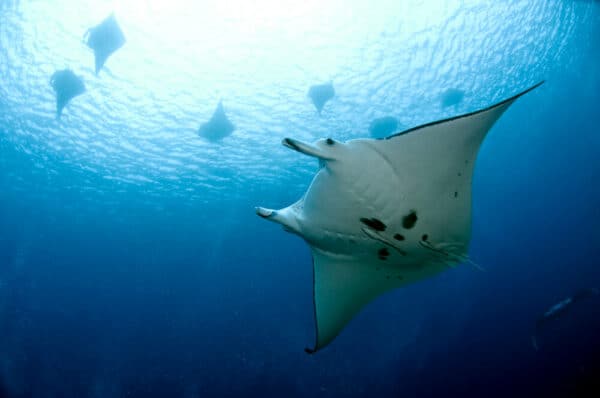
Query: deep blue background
x=123 y=291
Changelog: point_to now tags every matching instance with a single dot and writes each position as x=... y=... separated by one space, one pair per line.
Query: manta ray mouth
x=307 y=149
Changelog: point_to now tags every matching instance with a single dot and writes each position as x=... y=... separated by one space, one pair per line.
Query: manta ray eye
x=329 y=141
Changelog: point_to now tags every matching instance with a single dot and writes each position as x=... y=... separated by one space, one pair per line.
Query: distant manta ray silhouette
x=67 y=86
x=380 y=214
x=452 y=97
x=320 y=94
x=104 y=38
x=383 y=126
x=218 y=127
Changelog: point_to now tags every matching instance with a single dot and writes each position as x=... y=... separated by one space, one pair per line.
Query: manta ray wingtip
x=309 y=351
x=534 y=86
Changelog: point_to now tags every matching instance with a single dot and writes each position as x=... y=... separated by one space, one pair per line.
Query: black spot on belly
x=374 y=223
x=398 y=237
x=425 y=237
x=383 y=253
x=455 y=194
x=409 y=220
x=460 y=174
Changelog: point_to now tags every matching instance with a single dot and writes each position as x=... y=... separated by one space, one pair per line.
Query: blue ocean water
x=132 y=263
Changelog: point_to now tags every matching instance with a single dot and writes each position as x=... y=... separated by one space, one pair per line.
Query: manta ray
x=452 y=97
x=559 y=310
x=383 y=126
x=381 y=214
x=321 y=93
x=104 y=38
x=67 y=85
x=218 y=127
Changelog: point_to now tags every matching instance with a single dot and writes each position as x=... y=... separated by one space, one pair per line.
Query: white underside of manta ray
x=381 y=214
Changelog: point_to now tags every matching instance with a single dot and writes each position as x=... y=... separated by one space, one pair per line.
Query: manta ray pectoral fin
x=342 y=286
x=451 y=142
x=307 y=149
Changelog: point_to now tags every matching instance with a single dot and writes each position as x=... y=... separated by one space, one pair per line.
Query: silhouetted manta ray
x=104 y=39
x=320 y=94
x=559 y=309
x=67 y=86
x=383 y=126
x=381 y=214
x=218 y=126
x=452 y=96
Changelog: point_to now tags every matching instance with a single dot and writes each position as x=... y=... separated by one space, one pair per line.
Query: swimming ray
x=218 y=127
x=381 y=127
x=320 y=94
x=452 y=97
x=104 y=38
x=380 y=214
x=67 y=86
